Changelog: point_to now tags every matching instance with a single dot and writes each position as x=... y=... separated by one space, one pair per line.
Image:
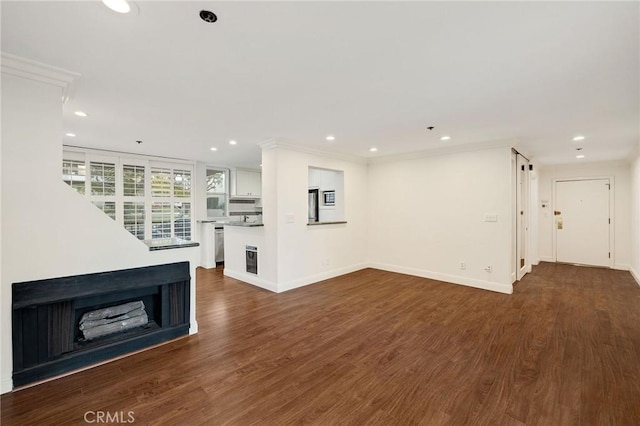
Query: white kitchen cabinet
x=248 y=183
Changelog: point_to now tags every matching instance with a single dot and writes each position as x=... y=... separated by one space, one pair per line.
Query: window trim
x=88 y=155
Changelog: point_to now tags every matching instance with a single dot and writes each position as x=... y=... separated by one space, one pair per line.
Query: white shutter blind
x=74 y=174
x=103 y=178
x=108 y=207
x=133 y=181
x=182 y=183
x=160 y=182
x=134 y=218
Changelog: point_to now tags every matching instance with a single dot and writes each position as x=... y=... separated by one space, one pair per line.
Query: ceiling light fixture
x=578 y=138
x=373 y=149
x=213 y=148
x=445 y=138
x=80 y=113
x=580 y=156
x=330 y=138
x=120 y=6
x=232 y=142
x=71 y=135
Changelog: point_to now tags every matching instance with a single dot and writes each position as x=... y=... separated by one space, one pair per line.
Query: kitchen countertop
x=245 y=224
x=221 y=223
x=169 y=243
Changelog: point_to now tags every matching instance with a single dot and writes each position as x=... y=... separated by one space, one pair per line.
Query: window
x=103 y=178
x=133 y=180
x=108 y=207
x=150 y=199
x=73 y=173
x=217 y=192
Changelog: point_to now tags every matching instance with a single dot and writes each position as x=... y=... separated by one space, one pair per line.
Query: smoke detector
x=208 y=16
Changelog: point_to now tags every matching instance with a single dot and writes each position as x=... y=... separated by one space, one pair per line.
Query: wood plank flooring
x=377 y=348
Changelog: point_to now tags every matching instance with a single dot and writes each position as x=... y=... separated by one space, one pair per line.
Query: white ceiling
x=371 y=73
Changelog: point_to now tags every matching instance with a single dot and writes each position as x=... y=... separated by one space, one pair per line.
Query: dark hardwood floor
x=377 y=348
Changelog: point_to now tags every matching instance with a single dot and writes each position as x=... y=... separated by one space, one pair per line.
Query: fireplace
x=47 y=340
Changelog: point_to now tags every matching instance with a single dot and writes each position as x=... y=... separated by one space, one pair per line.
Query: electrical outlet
x=463 y=265
x=488 y=269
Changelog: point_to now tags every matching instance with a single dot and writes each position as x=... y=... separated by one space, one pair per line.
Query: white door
x=581 y=220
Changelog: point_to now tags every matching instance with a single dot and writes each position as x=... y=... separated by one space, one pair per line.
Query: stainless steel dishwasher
x=219 y=245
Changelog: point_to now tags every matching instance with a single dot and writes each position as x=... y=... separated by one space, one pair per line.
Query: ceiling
x=370 y=73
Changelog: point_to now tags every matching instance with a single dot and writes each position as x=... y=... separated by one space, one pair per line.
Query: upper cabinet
x=248 y=183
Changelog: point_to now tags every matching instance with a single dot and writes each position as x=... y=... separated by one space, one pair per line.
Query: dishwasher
x=219 y=245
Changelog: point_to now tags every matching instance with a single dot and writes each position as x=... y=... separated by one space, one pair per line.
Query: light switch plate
x=490 y=217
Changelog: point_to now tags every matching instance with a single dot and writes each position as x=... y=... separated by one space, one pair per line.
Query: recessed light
x=120 y=6
x=213 y=148
x=71 y=135
x=580 y=156
x=373 y=149
x=80 y=113
x=445 y=138
x=330 y=138
x=232 y=142
x=578 y=138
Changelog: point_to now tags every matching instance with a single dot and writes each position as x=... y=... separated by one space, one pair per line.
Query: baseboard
x=193 y=328
x=513 y=277
x=453 y=279
x=621 y=267
x=252 y=279
x=320 y=277
x=635 y=275
x=546 y=259
x=6 y=385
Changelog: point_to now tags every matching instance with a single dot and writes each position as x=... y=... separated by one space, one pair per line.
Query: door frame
x=612 y=225
x=522 y=205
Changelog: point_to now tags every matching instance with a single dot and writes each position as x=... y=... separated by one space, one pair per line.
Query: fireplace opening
x=150 y=306
x=132 y=309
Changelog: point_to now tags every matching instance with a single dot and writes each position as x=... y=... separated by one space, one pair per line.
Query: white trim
x=320 y=277
x=546 y=259
x=251 y=279
x=38 y=71
x=621 y=267
x=452 y=279
x=513 y=277
x=635 y=275
x=127 y=155
x=6 y=385
x=193 y=328
x=449 y=279
x=275 y=143
x=446 y=150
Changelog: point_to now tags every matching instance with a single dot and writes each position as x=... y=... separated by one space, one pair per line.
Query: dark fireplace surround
x=46 y=315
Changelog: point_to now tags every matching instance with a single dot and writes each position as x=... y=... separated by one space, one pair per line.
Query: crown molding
x=448 y=150
x=279 y=143
x=37 y=71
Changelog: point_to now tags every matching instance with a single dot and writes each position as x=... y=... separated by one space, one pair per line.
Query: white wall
x=635 y=218
x=622 y=205
x=292 y=253
x=428 y=214
x=48 y=230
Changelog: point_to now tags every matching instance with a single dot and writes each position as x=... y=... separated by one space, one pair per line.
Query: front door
x=582 y=222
